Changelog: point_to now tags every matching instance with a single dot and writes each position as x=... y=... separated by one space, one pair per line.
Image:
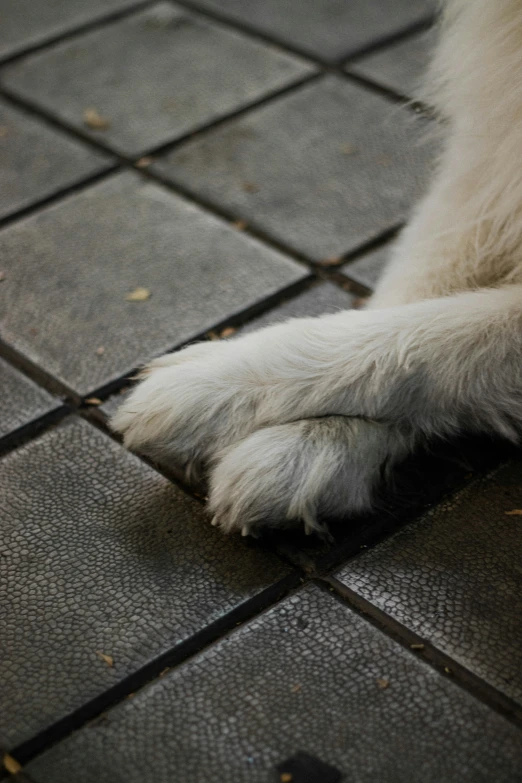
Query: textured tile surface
x=69 y=268
x=304 y=676
x=321 y=299
x=323 y=170
x=25 y=23
x=36 y=161
x=99 y=552
x=368 y=269
x=154 y=76
x=455 y=576
x=21 y=400
x=401 y=66
x=329 y=29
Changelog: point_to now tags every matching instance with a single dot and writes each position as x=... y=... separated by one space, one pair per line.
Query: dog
x=293 y=424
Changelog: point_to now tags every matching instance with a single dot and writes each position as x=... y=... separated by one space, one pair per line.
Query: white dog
x=294 y=423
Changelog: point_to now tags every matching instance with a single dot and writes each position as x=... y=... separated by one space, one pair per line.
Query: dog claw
x=245 y=531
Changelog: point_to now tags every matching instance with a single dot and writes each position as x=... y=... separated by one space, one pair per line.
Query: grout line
x=438 y=660
x=76 y=32
x=32 y=430
x=173 y=657
x=58 y=195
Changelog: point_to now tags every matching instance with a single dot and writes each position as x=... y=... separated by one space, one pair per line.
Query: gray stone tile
x=37 y=161
x=154 y=76
x=101 y=553
x=323 y=169
x=26 y=23
x=454 y=577
x=329 y=29
x=320 y=299
x=69 y=268
x=401 y=66
x=368 y=269
x=303 y=676
x=21 y=400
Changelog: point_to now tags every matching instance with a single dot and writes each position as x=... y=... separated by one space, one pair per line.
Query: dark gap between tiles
x=75 y=32
x=62 y=193
x=174 y=657
x=459 y=674
x=33 y=429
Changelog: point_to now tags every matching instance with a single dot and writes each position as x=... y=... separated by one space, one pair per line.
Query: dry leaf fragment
x=330 y=261
x=240 y=225
x=93 y=401
x=100 y=351
x=11 y=764
x=286 y=777
x=296 y=688
x=142 y=163
x=416 y=647
x=94 y=120
x=382 y=683
x=348 y=149
x=138 y=295
x=517 y=512
x=228 y=331
x=250 y=187
x=109 y=660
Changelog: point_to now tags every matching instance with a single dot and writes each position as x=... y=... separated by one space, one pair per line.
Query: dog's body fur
x=296 y=421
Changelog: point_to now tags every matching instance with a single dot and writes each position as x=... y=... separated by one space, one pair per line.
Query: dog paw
x=304 y=472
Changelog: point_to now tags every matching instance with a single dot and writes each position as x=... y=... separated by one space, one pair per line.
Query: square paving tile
x=368 y=269
x=21 y=400
x=401 y=66
x=154 y=76
x=329 y=29
x=70 y=267
x=302 y=677
x=323 y=169
x=100 y=554
x=454 y=577
x=26 y=23
x=37 y=161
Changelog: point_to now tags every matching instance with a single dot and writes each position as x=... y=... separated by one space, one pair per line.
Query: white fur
x=296 y=421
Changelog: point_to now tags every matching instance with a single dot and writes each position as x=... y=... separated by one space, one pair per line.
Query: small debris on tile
x=2 y=276
x=383 y=683
x=330 y=261
x=348 y=149
x=93 y=401
x=447 y=670
x=416 y=647
x=228 y=332
x=94 y=120
x=109 y=660
x=286 y=777
x=138 y=295
x=3 y=130
x=240 y=225
x=516 y=512
x=142 y=163
x=164 y=671
x=100 y=350
x=296 y=688
x=250 y=187
x=11 y=764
